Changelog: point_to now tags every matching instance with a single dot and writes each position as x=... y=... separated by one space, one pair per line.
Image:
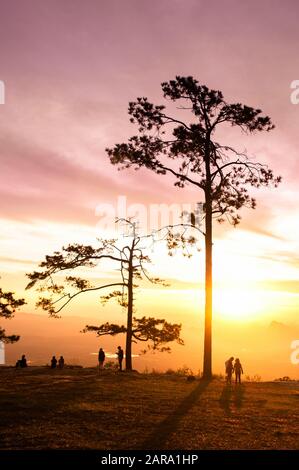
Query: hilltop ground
x=78 y=409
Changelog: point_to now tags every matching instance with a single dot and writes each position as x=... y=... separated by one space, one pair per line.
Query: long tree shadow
x=169 y=425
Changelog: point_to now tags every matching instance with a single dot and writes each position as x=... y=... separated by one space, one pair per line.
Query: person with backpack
x=229 y=368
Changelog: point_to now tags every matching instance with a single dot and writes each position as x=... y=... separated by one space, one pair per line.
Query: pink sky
x=70 y=68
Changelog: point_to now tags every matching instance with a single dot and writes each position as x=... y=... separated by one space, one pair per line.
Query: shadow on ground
x=169 y=425
x=231 y=395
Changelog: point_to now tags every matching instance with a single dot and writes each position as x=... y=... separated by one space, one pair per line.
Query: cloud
x=4 y=259
x=39 y=183
x=70 y=74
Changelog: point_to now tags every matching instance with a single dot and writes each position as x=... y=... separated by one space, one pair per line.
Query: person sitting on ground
x=53 y=362
x=229 y=368
x=21 y=363
x=61 y=362
x=101 y=359
x=120 y=356
x=238 y=370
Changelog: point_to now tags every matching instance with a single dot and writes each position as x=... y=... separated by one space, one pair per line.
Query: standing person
x=53 y=362
x=61 y=362
x=229 y=368
x=120 y=355
x=238 y=370
x=101 y=359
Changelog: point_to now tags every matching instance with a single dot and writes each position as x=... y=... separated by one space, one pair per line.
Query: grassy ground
x=78 y=409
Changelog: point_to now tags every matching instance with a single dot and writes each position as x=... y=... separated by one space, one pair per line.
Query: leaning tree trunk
x=130 y=312
x=207 y=356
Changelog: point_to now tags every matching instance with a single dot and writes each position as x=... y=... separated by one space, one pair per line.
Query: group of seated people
x=60 y=362
x=21 y=363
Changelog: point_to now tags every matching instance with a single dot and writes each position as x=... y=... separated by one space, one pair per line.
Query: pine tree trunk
x=130 y=312
x=207 y=357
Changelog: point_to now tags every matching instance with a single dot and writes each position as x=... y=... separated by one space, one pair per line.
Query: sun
x=239 y=304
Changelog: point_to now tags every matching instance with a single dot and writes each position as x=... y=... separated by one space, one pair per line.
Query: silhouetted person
x=61 y=362
x=21 y=363
x=120 y=356
x=53 y=362
x=101 y=359
x=229 y=368
x=238 y=370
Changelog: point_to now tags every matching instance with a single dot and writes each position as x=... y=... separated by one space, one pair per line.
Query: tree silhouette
x=8 y=305
x=130 y=261
x=190 y=152
x=158 y=332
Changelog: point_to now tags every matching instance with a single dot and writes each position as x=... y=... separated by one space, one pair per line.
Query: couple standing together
x=231 y=368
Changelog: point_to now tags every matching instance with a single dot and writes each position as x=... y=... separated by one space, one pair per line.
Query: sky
x=71 y=67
